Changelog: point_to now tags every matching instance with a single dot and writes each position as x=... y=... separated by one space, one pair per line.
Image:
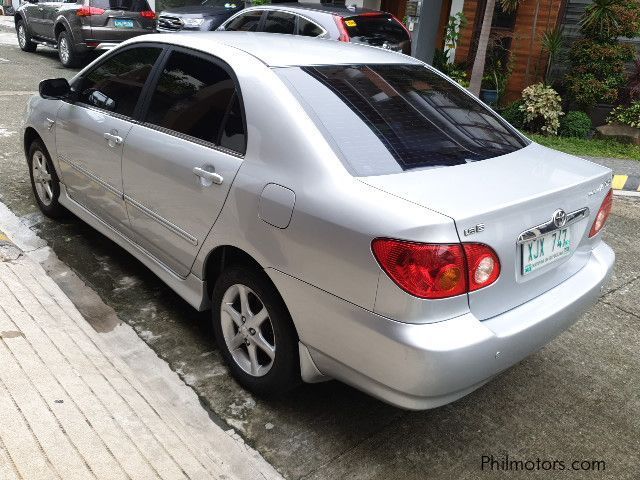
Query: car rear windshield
x=124 y=5
x=394 y=117
x=367 y=28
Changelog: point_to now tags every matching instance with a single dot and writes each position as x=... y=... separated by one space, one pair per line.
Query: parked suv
x=78 y=27
x=201 y=15
x=335 y=22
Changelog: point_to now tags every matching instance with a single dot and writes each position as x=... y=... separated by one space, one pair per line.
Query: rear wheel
x=69 y=57
x=254 y=332
x=44 y=181
x=24 y=39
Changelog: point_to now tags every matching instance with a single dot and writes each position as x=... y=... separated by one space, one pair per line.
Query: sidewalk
x=71 y=408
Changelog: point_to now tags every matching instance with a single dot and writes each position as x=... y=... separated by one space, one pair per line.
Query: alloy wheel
x=247 y=330
x=63 y=47
x=42 y=178
x=22 y=36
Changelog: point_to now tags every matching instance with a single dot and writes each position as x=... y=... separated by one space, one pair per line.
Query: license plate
x=546 y=249
x=122 y=23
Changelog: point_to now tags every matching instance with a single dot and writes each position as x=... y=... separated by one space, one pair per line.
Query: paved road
x=578 y=398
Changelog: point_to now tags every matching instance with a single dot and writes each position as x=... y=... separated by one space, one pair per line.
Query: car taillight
x=483 y=265
x=403 y=26
x=603 y=214
x=421 y=269
x=342 y=29
x=88 y=11
x=437 y=270
x=148 y=14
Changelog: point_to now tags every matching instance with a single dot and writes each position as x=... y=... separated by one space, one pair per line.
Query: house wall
x=528 y=61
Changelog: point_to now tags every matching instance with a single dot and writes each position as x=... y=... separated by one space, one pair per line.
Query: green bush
x=598 y=60
x=514 y=114
x=541 y=108
x=575 y=124
x=627 y=115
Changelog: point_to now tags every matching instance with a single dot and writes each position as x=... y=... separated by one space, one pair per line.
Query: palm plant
x=551 y=43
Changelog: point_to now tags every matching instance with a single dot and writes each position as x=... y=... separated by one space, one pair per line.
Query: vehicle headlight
x=193 y=22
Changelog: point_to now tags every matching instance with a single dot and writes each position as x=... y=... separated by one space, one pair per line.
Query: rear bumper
x=419 y=366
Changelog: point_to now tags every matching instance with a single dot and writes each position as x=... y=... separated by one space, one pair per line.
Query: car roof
x=340 y=10
x=279 y=50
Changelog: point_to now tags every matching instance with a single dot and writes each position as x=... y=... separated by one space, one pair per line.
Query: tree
x=477 y=71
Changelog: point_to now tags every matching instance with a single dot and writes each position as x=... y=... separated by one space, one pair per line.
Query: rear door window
x=116 y=84
x=280 y=22
x=375 y=29
x=247 y=22
x=124 y=5
x=394 y=117
x=307 y=28
x=198 y=98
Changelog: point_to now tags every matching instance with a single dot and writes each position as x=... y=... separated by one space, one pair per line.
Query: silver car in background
x=344 y=211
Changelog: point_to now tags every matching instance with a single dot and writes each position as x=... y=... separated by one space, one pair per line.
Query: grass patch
x=595 y=147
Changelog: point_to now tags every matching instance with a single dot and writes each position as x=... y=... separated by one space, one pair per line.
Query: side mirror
x=54 y=88
x=31 y=1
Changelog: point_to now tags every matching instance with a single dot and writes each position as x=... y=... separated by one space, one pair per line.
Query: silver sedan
x=344 y=211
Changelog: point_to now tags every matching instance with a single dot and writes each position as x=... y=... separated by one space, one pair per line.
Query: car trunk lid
x=496 y=200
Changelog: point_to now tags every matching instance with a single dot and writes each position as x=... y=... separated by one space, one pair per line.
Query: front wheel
x=44 y=181
x=254 y=332
x=24 y=39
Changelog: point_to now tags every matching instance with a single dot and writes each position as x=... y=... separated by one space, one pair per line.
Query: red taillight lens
x=603 y=214
x=437 y=270
x=423 y=270
x=483 y=265
x=342 y=29
x=88 y=11
x=148 y=14
x=403 y=26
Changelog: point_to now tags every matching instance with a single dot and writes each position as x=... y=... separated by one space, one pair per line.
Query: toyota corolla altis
x=344 y=211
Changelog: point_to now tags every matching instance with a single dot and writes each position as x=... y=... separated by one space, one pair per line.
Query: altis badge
x=473 y=230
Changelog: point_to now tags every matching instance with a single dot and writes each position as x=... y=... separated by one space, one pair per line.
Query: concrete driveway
x=577 y=399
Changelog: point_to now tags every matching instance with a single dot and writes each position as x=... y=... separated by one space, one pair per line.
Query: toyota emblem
x=559 y=218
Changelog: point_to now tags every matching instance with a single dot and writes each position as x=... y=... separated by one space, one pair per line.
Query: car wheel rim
x=64 y=50
x=22 y=36
x=42 y=178
x=247 y=330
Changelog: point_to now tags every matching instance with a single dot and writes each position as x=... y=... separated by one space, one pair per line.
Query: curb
x=626 y=184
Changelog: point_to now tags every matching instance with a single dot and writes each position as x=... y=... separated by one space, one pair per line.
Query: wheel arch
x=220 y=258
x=59 y=28
x=224 y=256
x=30 y=135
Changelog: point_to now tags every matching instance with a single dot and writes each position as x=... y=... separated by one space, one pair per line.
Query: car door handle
x=113 y=139
x=210 y=176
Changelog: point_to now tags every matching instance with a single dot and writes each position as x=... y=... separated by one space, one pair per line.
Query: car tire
x=261 y=320
x=69 y=57
x=24 y=39
x=44 y=181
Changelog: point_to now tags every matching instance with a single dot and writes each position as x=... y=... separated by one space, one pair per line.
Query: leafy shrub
x=575 y=124
x=598 y=59
x=513 y=114
x=627 y=115
x=598 y=71
x=542 y=109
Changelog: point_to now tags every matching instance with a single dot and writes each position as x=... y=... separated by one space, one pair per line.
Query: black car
x=335 y=22
x=198 y=15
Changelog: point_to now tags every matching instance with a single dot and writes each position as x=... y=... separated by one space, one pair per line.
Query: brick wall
x=534 y=17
